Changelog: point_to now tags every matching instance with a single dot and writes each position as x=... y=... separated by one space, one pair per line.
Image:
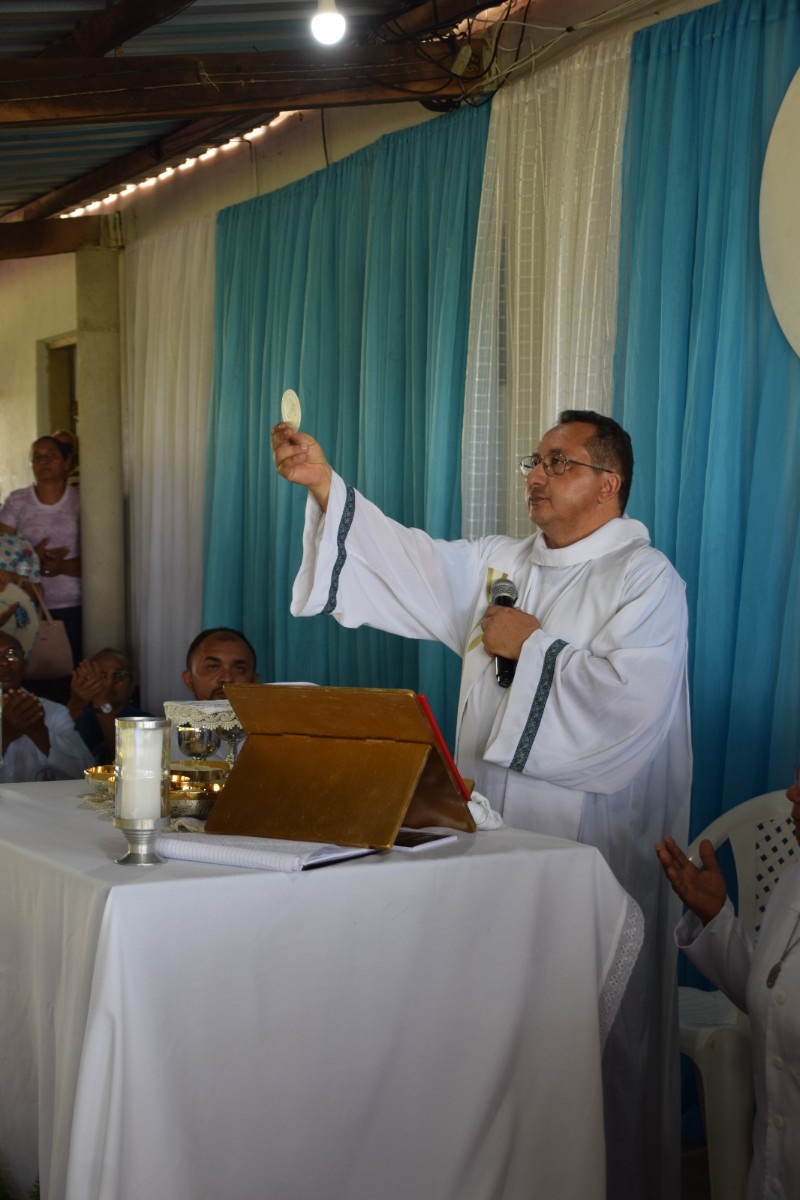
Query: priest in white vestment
x=591 y=741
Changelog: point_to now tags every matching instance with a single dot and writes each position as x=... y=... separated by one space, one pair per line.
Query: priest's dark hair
x=223 y=631
x=610 y=447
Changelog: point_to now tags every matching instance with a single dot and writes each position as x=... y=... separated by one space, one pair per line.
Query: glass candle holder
x=141 y=793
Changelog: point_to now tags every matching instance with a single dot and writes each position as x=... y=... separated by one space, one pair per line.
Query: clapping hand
x=23 y=715
x=86 y=687
x=703 y=891
x=51 y=558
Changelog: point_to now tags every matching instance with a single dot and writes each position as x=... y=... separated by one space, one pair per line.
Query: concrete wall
x=37 y=302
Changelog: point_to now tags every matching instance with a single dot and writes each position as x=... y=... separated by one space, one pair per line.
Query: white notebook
x=263 y=854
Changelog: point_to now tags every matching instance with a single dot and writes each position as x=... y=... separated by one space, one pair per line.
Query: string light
x=211 y=152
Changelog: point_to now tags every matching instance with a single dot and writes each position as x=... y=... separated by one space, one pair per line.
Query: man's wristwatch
x=104 y=708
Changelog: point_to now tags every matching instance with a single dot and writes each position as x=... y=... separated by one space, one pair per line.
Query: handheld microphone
x=504 y=592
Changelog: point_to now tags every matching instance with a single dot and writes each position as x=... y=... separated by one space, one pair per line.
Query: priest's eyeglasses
x=11 y=655
x=554 y=464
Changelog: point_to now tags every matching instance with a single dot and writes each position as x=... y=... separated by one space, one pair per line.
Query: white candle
x=141 y=767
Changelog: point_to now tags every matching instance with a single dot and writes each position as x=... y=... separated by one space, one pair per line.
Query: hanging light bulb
x=328 y=24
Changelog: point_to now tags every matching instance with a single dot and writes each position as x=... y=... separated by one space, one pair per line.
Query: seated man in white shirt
x=39 y=736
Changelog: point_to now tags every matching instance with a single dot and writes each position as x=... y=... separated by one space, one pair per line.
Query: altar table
x=423 y=1025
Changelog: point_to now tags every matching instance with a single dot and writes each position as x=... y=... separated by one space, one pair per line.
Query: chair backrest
x=762 y=838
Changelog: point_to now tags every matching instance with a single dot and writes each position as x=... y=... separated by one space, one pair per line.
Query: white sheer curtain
x=544 y=292
x=169 y=333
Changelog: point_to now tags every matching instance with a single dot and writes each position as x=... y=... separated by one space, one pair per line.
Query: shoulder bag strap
x=40 y=601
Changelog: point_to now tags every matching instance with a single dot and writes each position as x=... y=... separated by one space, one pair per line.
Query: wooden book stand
x=342 y=765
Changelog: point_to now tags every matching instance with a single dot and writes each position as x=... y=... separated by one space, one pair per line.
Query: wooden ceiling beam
x=34 y=239
x=111 y=27
x=73 y=91
x=314 y=61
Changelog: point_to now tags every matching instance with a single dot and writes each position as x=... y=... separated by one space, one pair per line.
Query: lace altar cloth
x=202 y=714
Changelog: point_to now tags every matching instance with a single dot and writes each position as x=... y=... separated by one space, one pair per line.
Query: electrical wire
x=324 y=137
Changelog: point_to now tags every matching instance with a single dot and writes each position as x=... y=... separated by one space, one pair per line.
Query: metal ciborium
x=194 y=787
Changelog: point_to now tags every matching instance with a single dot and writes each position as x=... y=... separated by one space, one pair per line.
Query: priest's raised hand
x=300 y=459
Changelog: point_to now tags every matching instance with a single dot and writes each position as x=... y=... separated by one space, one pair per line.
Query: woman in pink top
x=47 y=513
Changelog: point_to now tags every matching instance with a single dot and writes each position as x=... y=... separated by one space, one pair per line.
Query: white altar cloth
x=403 y=1025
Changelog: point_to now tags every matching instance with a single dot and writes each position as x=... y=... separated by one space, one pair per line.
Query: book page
x=264 y=854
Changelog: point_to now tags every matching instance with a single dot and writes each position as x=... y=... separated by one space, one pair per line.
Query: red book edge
x=442 y=744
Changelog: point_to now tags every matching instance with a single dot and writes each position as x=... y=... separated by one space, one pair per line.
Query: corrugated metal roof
x=36 y=161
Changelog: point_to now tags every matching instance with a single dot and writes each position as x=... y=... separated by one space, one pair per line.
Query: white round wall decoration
x=779 y=215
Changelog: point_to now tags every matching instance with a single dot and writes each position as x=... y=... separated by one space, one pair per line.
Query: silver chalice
x=232 y=735
x=197 y=742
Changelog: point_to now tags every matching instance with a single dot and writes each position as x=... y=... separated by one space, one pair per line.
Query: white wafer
x=290 y=408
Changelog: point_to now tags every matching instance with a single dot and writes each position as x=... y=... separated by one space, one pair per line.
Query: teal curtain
x=707 y=385
x=351 y=286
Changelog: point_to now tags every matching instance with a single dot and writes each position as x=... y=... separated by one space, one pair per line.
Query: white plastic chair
x=714 y=1034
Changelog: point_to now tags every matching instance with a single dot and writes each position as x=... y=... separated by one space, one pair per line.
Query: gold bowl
x=200 y=772
x=194 y=786
x=100 y=779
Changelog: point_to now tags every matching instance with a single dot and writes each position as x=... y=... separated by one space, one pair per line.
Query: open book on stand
x=341 y=765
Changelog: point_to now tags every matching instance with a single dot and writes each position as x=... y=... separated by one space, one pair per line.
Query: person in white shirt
x=47 y=513
x=39 y=737
x=762 y=978
x=591 y=740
